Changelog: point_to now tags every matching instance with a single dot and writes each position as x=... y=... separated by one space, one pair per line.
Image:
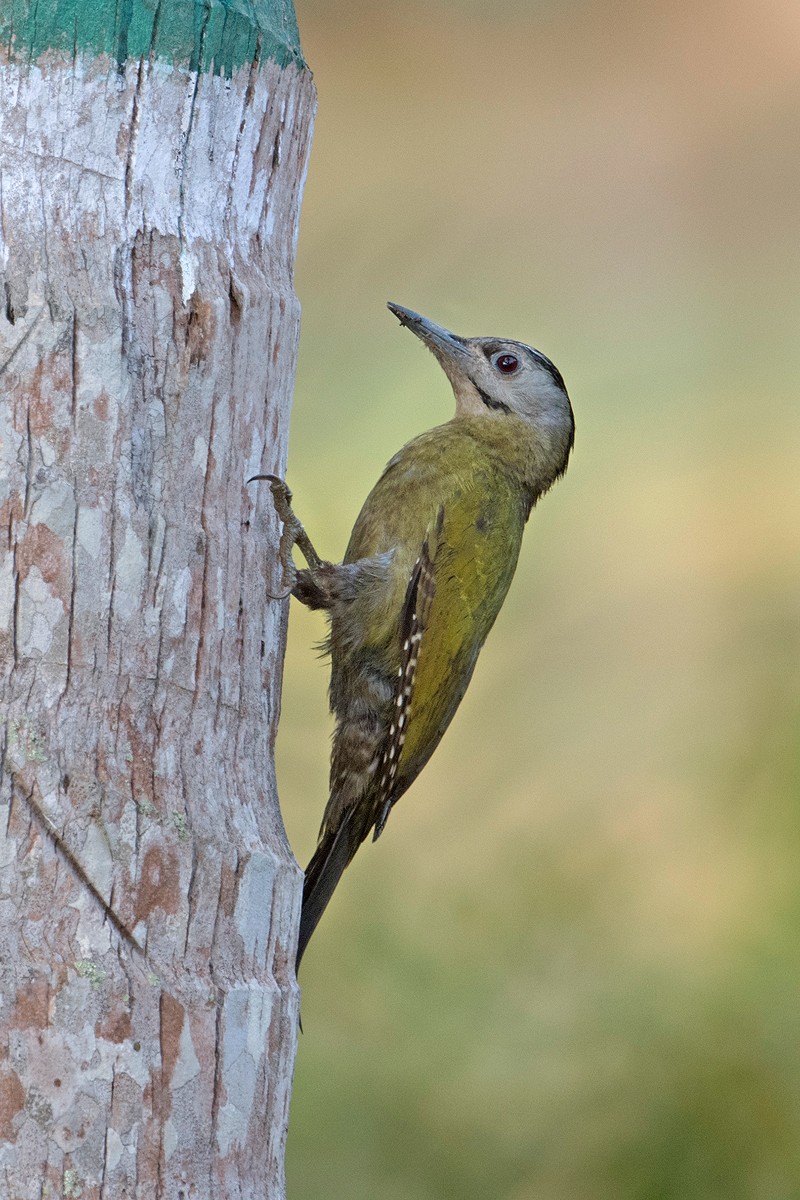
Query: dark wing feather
x=413 y=623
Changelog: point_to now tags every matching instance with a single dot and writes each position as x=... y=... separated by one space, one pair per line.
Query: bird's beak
x=447 y=346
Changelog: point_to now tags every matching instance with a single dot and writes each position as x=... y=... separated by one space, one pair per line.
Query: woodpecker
x=426 y=571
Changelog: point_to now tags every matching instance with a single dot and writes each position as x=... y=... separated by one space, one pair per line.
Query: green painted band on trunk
x=206 y=35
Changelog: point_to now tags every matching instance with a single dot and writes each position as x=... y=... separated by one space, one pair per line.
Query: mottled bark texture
x=148 y=898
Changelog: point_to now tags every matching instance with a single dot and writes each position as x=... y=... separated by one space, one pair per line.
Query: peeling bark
x=148 y=897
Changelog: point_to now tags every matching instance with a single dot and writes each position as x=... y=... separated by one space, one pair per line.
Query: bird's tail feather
x=324 y=871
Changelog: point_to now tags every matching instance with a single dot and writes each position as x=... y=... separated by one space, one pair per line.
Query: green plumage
x=481 y=485
x=429 y=562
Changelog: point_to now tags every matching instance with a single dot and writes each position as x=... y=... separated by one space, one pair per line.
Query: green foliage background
x=570 y=969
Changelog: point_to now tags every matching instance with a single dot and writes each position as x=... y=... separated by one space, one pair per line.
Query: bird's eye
x=507 y=364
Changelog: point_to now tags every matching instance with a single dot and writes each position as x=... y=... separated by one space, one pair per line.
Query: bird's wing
x=454 y=594
x=413 y=623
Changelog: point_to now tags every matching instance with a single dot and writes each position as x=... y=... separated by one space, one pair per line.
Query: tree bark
x=149 y=197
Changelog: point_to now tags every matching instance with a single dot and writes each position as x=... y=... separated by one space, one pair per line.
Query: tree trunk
x=151 y=165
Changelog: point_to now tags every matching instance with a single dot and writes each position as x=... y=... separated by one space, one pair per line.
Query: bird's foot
x=293 y=535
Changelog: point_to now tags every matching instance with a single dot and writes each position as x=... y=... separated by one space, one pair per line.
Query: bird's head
x=496 y=378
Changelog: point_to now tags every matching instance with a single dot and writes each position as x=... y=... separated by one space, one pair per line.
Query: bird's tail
x=324 y=871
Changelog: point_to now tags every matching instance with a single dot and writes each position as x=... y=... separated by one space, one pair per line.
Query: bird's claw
x=281 y=497
x=293 y=534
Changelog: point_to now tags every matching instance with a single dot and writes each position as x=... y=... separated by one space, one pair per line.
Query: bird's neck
x=516 y=449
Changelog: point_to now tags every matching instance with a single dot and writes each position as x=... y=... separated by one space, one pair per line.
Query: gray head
x=496 y=377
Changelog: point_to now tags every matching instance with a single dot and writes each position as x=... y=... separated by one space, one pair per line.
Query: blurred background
x=570 y=970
